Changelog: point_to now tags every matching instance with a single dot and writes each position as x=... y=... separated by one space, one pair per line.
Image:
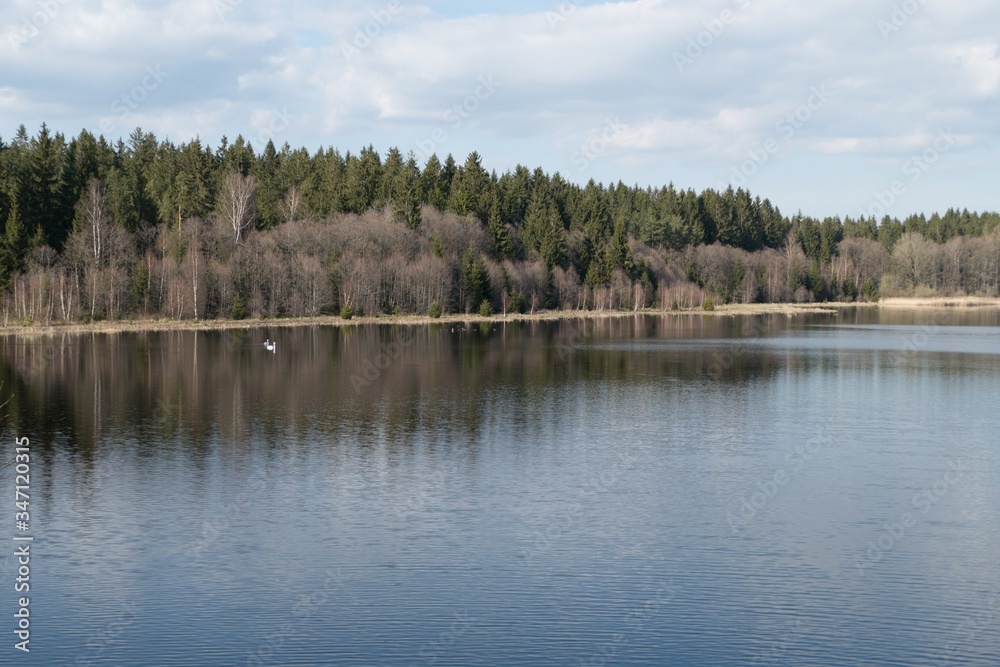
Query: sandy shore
x=941 y=302
x=790 y=309
x=119 y=326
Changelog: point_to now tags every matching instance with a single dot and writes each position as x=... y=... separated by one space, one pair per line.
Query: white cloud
x=914 y=142
x=980 y=66
x=563 y=77
x=9 y=99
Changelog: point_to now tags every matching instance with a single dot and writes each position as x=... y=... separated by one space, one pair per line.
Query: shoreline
x=940 y=302
x=788 y=309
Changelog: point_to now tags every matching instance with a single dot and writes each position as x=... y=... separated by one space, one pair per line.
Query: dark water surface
x=648 y=490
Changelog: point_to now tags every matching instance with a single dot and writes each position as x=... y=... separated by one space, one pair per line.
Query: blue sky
x=832 y=108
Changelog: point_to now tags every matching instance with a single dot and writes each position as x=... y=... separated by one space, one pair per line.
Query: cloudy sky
x=832 y=108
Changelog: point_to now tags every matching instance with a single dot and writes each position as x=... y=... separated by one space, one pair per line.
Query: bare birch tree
x=291 y=204
x=238 y=201
x=95 y=215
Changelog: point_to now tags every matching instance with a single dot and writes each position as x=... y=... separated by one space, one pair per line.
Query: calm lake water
x=647 y=490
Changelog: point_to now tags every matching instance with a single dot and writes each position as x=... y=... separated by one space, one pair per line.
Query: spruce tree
x=498 y=229
x=15 y=244
x=475 y=279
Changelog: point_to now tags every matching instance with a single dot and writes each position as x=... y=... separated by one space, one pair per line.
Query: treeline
x=147 y=228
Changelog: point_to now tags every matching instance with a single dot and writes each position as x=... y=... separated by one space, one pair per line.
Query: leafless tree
x=714 y=265
x=567 y=285
x=775 y=286
x=982 y=275
x=93 y=210
x=620 y=291
x=238 y=202
x=915 y=262
x=866 y=259
x=120 y=251
x=291 y=204
x=954 y=261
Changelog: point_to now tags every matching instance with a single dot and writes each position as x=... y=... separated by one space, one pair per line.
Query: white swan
x=270 y=346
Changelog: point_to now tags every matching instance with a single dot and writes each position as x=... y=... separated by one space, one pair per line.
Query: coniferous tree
x=516 y=191
x=123 y=204
x=325 y=188
x=140 y=154
x=553 y=242
x=269 y=187
x=594 y=217
x=429 y=185
x=445 y=179
x=536 y=219
x=46 y=203
x=475 y=280
x=15 y=243
x=392 y=186
x=618 y=254
x=469 y=189
x=411 y=192
x=498 y=229
x=194 y=185
x=363 y=178
x=238 y=157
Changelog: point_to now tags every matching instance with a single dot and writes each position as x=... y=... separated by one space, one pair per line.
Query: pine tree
x=15 y=244
x=238 y=157
x=618 y=253
x=194 y=186
x=47 y=201
x=536 y=219
x=392 y=186
x=594 y=217
x=430 y=187
x=270 y=189
x=444 y=181
x=137 y=164
x=516 y=195
x=123 y=206
x=498 y=229
x=364 y=176
x=401 y=188
x=469 y=189
x=475 y=280
x=553 y=242
x=324 y=188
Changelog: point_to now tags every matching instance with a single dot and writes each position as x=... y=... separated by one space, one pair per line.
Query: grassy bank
x=941 y=302
x=790 y=309
x=118 y=326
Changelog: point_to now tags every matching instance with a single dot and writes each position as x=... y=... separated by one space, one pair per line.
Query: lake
x=644 y=490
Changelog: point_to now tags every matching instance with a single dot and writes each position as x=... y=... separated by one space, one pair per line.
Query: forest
x=148 y=229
